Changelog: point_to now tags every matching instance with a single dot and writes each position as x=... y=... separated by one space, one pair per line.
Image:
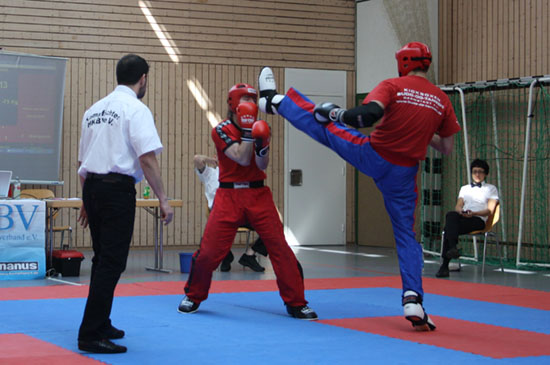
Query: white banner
x=22 y=239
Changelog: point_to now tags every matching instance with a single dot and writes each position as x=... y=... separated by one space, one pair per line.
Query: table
x=147 y=204
x=150 y=205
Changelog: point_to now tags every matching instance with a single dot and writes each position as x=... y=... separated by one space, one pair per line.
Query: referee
x=118 y=145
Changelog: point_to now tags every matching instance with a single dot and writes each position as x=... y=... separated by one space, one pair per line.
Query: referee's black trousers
x=110 y=206
x=456 y=224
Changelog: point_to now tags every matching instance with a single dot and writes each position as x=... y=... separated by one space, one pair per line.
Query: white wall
x=377 y=42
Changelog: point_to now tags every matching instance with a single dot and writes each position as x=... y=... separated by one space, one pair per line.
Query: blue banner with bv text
x=22 y=239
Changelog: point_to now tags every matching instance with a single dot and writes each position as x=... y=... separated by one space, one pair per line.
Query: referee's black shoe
x=259 y=247
x=250 y=261
x=113 y=333
x=101 y=347
x=443 y=272
x=226 y=262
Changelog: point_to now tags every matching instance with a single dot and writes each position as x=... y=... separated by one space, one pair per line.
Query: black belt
x=111 y=177
x=242 y=185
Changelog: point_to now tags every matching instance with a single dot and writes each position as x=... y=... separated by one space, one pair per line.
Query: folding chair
x=486 y=232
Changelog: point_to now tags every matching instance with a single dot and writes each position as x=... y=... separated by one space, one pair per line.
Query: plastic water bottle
x=146 y=192
x=17 y=188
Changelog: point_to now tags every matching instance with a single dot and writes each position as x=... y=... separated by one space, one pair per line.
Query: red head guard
x=237 y=91
x=412 y=56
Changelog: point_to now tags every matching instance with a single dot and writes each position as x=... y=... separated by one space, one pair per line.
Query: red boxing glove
x=261 y=132
x=246 y=116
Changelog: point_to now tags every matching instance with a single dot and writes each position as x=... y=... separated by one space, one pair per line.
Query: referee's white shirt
x=116 y=130
x=476 y=198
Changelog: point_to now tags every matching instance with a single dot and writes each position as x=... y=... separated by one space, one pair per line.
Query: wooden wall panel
x=492 y=39
x=312 y=32
x=218 y=42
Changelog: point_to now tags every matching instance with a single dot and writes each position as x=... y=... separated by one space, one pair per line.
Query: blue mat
x=243 y=328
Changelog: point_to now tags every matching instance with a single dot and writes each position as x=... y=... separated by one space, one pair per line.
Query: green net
x=496 y=124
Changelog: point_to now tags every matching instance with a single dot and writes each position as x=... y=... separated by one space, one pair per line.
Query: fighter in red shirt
x=413 y=114
x=242 y=145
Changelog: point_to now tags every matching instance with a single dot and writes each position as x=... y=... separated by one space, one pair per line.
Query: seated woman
x=476 y=201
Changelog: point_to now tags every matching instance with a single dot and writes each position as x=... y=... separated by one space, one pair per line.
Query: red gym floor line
x=481 y=292
x=455 y=334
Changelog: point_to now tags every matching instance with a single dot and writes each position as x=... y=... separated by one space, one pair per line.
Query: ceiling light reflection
x=203 y=101
x=163 y=36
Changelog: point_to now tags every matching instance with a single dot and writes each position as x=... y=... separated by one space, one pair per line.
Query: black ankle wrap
x=268 y=95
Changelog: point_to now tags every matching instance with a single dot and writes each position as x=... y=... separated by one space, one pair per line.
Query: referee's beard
x=141 y=91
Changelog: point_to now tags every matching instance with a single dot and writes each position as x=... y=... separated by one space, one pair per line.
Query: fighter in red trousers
x=242 y=145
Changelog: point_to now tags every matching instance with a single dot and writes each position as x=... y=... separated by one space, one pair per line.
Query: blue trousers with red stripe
x=396 y=183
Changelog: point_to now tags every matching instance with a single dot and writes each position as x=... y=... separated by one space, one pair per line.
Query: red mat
x=481 y=339
x=482 y=292
x=20 y=349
